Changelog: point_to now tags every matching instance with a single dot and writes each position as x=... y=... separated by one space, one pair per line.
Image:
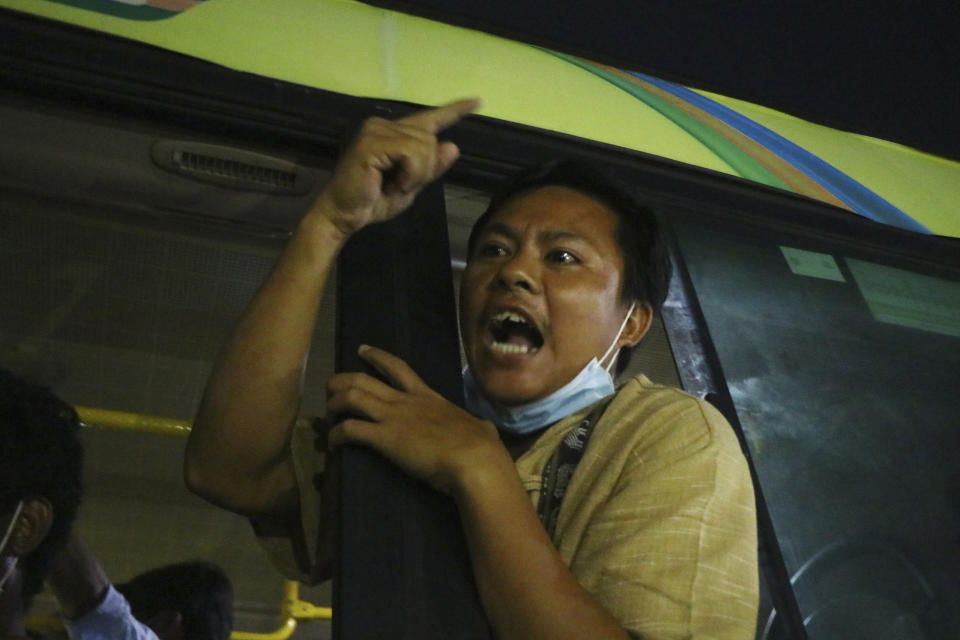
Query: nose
x=521 y=271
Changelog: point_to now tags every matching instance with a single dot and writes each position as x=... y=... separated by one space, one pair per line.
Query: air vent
x=230 y=167
x=256 y=175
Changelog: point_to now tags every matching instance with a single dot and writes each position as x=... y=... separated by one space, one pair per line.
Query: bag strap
x=559 y=469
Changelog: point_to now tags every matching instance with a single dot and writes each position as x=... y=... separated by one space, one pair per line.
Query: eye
x=490 y=250
x=562 y=256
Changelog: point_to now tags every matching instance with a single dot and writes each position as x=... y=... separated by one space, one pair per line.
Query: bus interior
x=139 y=213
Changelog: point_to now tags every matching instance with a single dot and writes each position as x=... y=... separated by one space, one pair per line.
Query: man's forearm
x=77 y=579
x=527 y=591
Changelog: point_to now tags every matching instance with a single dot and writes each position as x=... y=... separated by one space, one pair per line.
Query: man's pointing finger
x=436 y=120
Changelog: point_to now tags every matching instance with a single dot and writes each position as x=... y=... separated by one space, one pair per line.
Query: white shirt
x=110 y=620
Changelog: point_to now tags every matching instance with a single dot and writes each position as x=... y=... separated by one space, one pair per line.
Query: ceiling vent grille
x=230 y=167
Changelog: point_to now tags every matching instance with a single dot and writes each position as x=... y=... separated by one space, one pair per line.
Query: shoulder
x=658 y=422
x=639 y=395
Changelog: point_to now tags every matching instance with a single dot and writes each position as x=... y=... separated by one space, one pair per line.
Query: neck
x=517 y=445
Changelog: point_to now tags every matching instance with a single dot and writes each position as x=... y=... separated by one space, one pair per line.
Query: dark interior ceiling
x=886 y=69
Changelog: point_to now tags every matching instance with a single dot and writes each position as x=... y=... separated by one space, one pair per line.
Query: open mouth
x=513 y=333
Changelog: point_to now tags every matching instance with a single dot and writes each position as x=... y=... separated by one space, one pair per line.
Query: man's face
x=540 y=294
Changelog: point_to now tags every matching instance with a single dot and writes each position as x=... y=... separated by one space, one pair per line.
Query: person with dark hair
x=188 y=600
x=90 y=607
x=185 y=601
x=588 y=511
x=41 y=460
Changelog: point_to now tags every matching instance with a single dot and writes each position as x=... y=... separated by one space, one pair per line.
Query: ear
x=32 y=526
x=637 y=325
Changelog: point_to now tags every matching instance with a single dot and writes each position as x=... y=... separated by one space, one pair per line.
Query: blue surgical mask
x=593 y=383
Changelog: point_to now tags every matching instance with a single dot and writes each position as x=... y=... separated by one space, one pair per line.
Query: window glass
x=126 y=312
x=844 y=367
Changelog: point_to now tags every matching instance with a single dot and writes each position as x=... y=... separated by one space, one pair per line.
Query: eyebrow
x=501 y=229
x=513 y=234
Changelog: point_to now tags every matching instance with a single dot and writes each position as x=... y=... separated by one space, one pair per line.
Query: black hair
x=41 y=456
x=200 y=591
x=639 y=234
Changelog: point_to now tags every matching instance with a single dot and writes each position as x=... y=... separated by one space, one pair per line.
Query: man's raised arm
x=238 y=454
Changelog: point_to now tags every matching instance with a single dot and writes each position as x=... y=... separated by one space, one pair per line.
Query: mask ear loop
x=613 y=344
x=10 y=527
x=12 y=562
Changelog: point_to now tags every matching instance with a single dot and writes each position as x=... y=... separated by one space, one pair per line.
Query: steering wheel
x=878 y=592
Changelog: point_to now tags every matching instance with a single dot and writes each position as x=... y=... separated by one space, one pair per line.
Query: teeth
x=510 y=315
x=499 y=320
x=506 y=347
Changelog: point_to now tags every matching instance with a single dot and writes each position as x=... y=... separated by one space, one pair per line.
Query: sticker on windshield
x=812 y=264
x=897 y=296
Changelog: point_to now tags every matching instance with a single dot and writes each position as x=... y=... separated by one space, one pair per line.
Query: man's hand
x=411 y=424
x=386 y=166
x=526 y=590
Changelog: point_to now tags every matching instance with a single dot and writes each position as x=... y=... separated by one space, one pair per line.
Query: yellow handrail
x=141 y=422
x=294 y=607
x=282 y=632
x=291 y=609
x=44 y=624
x=125 y=421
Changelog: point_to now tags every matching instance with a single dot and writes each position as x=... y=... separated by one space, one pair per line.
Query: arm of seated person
x=91 y=607
x=77 y=579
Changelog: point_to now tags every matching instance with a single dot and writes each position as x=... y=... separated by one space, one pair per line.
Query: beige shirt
x=658 y=522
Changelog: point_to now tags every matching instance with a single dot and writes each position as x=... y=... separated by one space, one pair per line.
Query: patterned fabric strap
x=559 y=469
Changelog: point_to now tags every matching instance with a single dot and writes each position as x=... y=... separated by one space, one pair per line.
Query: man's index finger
x=437 y=119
